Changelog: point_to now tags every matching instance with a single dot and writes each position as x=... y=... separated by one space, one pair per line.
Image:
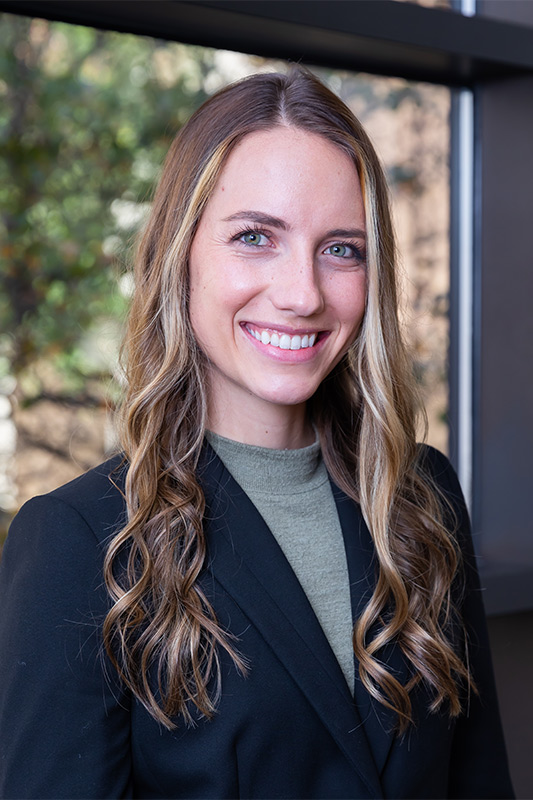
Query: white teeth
x=284 y=341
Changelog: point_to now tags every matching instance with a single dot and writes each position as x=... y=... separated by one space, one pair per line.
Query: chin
x=287 y=397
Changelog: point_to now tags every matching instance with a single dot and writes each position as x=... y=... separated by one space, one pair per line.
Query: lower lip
x=288 y=356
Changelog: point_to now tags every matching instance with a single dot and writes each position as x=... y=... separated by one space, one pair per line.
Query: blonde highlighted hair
x=365 y=413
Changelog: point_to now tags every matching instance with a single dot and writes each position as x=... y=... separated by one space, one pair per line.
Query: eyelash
x=252 y=229
x=358 y=252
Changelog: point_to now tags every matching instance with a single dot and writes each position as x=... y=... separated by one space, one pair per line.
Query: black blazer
x=290 y=729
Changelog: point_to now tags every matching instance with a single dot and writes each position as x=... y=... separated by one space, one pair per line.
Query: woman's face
x=277 y=276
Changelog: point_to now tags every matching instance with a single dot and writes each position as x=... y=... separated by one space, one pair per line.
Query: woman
x=178 y=622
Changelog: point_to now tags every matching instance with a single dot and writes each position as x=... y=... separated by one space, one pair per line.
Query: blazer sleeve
x=64 y=721
x=478 y=766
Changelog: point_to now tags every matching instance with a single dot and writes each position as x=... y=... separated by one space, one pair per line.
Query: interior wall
x=503 y=524
x=512 y=649
x=517 y=11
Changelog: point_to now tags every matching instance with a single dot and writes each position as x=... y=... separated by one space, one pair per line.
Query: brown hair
x=160 y=618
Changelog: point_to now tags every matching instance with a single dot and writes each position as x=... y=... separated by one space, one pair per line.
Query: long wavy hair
x=161 y=622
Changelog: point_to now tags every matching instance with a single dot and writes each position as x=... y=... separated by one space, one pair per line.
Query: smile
x=282 y=340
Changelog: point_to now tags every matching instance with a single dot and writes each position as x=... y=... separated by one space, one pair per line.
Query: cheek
x=221 y=290
x=196 y=297
x=201 y=310
x=349 y=300
x=216 y=300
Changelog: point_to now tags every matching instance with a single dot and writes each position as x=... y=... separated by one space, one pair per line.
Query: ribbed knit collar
x=263 y=469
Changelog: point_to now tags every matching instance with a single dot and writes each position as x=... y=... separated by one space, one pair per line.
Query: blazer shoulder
x=439 y=468
x=437 y=464
x=97 y=497
x=60 y=698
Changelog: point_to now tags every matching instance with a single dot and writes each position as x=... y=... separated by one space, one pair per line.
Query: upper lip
x=268 y=326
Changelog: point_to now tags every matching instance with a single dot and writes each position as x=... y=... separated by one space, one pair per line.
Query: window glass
x=85 y=119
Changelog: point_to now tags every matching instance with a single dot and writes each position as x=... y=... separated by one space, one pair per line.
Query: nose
x=296 y=287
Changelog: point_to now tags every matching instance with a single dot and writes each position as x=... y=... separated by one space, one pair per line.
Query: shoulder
x=58 y=695
x=55 y=547
x=438 y=468
x=102 y=483
x=93 y=501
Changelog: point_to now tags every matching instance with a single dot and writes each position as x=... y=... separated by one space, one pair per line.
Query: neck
x=279 y=428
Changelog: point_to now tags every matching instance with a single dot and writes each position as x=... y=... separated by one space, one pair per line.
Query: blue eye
x=346 y=252
x=255 y=238
x=340 y=250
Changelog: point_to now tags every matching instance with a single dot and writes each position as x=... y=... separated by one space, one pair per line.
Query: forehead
x=290 y=173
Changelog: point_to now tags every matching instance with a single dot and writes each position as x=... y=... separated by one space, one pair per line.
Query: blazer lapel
x=378 y=721
x=247 y=561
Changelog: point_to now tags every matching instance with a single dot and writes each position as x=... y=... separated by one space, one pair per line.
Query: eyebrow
x=262 y=219
x=276 y=222
x=347 y=233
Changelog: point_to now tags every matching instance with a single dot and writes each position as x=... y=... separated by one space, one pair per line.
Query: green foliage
x=85 y=120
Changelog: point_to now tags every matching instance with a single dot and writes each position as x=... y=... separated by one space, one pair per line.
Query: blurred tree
x=85 y=119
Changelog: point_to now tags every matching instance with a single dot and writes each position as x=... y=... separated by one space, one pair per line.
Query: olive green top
x=292 y=492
